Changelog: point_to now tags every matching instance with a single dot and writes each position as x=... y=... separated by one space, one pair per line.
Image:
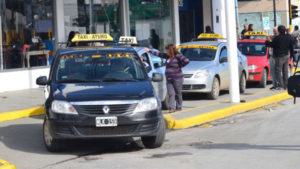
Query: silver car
x=208 y=70
x=155 y=65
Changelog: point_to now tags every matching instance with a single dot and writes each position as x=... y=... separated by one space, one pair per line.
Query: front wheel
x=243 y=83
x=264 y=79
x=215 y=89
x=52 y=144
x=156 y=141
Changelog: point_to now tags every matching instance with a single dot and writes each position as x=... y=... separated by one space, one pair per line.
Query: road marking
x=6 y=165
x=225 y=112
x=21 y=113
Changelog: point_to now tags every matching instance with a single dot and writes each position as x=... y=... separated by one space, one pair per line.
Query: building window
x=27 y=33
x=92 y=16
x=151 y=22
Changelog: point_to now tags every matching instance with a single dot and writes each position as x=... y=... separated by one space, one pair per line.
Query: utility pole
x=234 y=88
x=274 y=11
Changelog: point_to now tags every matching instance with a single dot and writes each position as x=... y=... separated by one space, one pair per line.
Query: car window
x=223 y=53
x=252 y=49
x=145 y=58
x=99 y=66
x=198 y=54
x=157 y=60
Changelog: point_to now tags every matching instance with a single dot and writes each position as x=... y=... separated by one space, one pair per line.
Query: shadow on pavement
x=28 y=138
x=244 y=146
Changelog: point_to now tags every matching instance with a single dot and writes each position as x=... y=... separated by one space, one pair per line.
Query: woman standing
x=175 y=61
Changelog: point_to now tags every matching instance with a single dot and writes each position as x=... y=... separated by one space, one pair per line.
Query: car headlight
x=146 y=105
x=63 y=107
x=203 y=73
x=252 y=67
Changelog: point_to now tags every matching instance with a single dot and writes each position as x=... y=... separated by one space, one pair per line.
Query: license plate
x=106 y=121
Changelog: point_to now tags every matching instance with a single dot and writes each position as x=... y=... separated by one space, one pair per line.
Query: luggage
x=294 y=84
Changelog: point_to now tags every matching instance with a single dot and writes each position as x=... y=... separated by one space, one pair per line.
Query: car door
x=223 y=68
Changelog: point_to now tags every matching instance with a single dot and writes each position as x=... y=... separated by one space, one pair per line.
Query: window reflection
x=27 y=37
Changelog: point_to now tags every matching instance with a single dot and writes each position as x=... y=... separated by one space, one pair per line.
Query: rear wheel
x=215 y=89
x=264 y=79
x=243 y=83
x=156 y=141
x=52 y=144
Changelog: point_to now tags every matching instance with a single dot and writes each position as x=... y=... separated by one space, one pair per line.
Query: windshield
x=198 y=54
x=253 y=49
x=99 y=67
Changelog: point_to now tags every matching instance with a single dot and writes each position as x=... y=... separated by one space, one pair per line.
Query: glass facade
x=92 y=16
x=27 y=33
x=151 y=22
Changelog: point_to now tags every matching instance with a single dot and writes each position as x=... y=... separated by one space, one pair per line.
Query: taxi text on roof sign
x=198 y=46
x=129 y=40
x=255 y=33
x=92 y=37
x=210 y=36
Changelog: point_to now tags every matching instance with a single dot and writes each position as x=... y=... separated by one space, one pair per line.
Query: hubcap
x=47 y=136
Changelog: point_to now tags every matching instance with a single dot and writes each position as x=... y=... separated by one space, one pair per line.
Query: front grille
x=186 y=87
x=62 y=129
x=98 y=109
x=119 y=130
x=188 y=75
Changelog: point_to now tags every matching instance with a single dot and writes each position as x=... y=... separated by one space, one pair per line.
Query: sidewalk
x=196 y=111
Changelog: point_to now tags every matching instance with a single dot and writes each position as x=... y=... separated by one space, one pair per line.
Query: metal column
x=175 y=20
x=59 y=23
x=125 y=19
x=232 y=52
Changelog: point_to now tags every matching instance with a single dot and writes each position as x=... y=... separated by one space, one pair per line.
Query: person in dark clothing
x=208 y=29
x=154 y=39
x=175 y=61
x=251 y=28
x=282 y=45
x=246 y=29
x=70 y=37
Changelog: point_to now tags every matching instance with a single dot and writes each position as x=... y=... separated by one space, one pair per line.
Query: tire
x=243 y=83
x=165 y=103
x=158 y=140
x=52 y=145
x=264 y=79
x=215 y=89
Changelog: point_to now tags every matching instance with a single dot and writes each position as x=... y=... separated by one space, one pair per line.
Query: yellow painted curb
x=173 y=123
x=6 y=165
x=21 y=114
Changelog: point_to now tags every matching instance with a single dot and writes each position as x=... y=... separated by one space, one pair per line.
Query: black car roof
x=120 y=49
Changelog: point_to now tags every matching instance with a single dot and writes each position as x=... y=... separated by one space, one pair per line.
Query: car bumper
x=202 y=85
x=84 y=127
x=255 y=76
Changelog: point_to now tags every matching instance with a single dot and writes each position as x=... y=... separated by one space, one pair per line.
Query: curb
x=173 y=123
x=6 y=116
x=6 y=165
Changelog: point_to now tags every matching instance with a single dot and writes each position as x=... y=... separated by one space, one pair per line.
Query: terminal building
x=31 y=30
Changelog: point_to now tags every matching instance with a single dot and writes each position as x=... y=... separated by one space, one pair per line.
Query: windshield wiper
x=119 y=80
x=77 y=81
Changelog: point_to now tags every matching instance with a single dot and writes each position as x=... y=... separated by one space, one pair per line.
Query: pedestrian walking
x=175 y=61
x=272 y=61
x=296 y=36
x=282 y=44
x=246 y=29
x=154 y=39
x=208 y=29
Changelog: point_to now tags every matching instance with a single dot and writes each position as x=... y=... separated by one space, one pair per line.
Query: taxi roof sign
x=210 y=36
x=128 y=40
x=198 y=46
x=255 y=33
x=92 y=37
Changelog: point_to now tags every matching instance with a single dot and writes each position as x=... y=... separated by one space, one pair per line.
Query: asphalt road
x=266 y=138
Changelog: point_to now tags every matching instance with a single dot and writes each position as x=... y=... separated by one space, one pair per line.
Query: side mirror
x=223 y=60
x=157 y=77
x=156 y=65
x=148 y=69
x=42 y=81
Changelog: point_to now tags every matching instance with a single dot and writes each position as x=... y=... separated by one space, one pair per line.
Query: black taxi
x=100 y=92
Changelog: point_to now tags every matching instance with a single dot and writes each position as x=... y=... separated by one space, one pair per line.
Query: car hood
x=103 y=91
x=198 y=65
x=257 y=60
